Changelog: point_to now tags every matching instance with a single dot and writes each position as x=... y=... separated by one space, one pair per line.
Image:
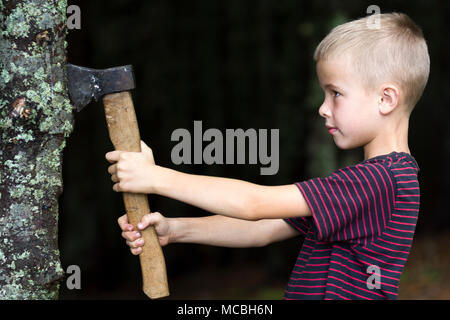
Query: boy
x=358 y=223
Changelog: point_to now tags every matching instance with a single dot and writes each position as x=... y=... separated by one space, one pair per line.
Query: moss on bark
x=35 y=120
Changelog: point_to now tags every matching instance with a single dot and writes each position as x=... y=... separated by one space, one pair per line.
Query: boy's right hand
x=134 y=237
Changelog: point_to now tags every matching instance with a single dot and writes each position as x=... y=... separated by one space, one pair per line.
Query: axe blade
x=86 y=83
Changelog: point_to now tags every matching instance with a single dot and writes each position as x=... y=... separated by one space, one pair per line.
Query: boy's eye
x=336 y=94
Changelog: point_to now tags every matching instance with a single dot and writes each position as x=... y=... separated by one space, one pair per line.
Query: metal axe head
x=85 y=83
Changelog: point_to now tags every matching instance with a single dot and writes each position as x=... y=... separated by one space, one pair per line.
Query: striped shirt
x=358 y=238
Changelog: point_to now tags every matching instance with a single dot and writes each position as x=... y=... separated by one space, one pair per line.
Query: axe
x=113 y=85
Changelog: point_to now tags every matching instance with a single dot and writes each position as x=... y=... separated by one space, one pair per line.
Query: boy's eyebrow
x=330 y=85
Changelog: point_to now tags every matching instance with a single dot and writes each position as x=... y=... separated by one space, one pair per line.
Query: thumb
x=147 y=220
x=145 y=148
x=147 y=151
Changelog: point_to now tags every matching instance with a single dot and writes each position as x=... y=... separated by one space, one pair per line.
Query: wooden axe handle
x=124 y=133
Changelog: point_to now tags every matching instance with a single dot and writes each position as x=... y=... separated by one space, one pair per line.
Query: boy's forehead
x=334 y=71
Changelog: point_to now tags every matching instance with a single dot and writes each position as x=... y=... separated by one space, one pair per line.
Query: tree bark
x=35 y=120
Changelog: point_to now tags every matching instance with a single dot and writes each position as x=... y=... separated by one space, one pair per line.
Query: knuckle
x=157 y=215
x=128 y=236
x=123 y=156
x=146 y=218
x=135 y=244
x=133 y=238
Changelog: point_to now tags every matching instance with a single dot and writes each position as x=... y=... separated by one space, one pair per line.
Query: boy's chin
x=345 y=145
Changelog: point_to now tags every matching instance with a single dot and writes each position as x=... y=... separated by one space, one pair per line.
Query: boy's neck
x=394 y=138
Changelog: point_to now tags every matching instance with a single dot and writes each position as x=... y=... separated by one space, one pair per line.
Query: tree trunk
x=35 y=120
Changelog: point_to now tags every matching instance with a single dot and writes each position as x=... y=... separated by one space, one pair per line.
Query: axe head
x=85 y=83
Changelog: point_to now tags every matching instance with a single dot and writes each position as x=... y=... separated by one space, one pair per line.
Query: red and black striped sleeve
x=301 y=224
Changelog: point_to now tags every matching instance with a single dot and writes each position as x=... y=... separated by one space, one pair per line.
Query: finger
x=136 y=251
x=124 y=155
x=116 y=187
x=114 y=178
x=136 y=243
x=112 y=169
x=113 y=156
x=123 y=223
x=131 y=235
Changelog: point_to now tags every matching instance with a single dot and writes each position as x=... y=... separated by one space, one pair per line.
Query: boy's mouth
x=331 y=130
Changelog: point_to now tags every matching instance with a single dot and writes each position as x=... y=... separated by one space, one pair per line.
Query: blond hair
x=395 y=51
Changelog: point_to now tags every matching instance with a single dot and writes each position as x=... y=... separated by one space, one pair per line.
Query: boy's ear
x=389 y=98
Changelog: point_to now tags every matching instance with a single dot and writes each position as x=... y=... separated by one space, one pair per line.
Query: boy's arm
x=223 y=231
x=136 y=172
x=212 y=230
x=230 y=197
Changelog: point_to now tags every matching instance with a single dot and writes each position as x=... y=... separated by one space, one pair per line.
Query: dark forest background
x=235 y=64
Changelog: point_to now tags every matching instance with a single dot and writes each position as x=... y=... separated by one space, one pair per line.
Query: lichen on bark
x=35 y=120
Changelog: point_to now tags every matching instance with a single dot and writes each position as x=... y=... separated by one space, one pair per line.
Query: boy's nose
x=324 y=110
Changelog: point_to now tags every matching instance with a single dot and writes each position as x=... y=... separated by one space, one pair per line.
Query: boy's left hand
x=131 y=170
